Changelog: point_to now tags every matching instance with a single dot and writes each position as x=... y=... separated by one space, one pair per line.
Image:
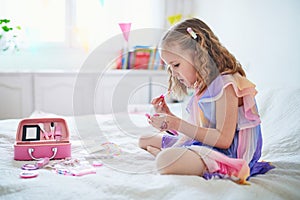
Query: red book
x=141 y=59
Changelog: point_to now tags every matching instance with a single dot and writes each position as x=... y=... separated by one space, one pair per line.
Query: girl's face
x=181 y=66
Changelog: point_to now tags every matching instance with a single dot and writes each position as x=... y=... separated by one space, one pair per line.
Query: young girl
x=222 y=137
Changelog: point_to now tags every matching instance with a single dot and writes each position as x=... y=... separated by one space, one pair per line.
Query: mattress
x=128 y=172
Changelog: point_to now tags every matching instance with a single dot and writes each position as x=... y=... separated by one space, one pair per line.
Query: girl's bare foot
x=153 y=150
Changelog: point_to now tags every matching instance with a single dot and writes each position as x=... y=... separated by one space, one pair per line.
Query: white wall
x=264 y=35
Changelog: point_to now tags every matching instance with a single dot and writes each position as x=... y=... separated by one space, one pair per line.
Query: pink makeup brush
x=165 y=94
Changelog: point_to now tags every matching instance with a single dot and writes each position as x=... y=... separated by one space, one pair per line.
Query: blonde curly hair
x=211 y=57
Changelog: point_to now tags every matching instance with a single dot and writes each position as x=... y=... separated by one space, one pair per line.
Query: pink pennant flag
x=125 y=27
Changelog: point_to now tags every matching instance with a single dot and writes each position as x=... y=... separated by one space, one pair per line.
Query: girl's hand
x=164 y=122
x=160 y=105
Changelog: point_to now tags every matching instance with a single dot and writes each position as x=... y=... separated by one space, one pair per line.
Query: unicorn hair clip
x=191 y=32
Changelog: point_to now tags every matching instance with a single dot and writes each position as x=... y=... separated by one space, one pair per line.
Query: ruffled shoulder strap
x=248 y=114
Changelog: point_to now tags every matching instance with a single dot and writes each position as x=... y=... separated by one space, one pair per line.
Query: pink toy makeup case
x=38 y=138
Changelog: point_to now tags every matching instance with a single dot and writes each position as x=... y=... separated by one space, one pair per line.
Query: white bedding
x=132 y=175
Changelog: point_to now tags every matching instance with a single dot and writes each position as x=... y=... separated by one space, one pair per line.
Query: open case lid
x=42 y=129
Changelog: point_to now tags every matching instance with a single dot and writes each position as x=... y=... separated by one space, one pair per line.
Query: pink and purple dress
x=241 y=160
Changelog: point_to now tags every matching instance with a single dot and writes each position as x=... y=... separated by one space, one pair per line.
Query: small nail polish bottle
x=57 y=133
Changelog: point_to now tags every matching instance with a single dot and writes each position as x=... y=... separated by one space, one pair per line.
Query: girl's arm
x=226 y=121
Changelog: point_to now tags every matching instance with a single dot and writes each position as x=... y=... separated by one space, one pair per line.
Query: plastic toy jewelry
x=97 y=163
x=111 y=149
x=29 y=174
x=73 y=167
x=29 y=167
x=39 y=164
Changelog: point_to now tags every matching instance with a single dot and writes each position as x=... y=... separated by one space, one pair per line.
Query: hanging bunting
x=174 y=18
x=82 y=37
x=125 y=27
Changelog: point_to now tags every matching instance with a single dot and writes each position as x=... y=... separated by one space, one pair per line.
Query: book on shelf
x=140 y=57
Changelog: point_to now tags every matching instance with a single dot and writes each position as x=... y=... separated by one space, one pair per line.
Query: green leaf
x=4 y=21
x=6 y=29
x=18 y=27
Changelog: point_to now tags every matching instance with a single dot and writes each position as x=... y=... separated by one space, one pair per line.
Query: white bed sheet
x=132 y=174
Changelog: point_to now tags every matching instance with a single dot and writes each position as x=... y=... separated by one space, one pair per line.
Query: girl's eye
x=177 y=65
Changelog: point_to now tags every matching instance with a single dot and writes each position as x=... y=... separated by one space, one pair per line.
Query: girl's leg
x=151 y=140
x=151 y=143
x=180 y=161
